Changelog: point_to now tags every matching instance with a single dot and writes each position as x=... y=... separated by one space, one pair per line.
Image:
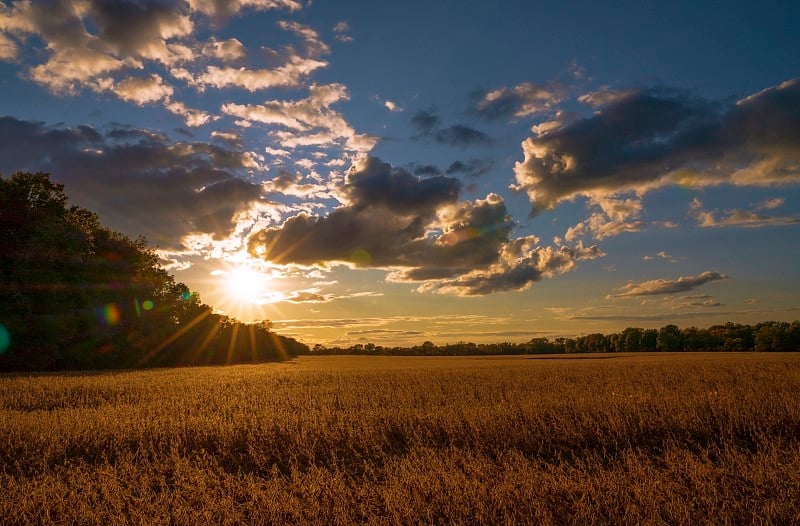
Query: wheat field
x=604 y=439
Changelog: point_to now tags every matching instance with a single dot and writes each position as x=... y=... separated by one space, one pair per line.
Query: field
x=603 y=439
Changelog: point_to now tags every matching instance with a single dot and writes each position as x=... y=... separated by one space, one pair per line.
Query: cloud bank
x=643 y=139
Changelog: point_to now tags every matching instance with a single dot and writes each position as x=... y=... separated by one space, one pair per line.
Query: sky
x=446 y=171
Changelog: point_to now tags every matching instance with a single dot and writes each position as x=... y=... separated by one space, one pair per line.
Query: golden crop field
x=601 y=439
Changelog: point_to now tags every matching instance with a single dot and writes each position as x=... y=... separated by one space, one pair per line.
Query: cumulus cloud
x=417 y=228
x=309 y=121
x=138 y=181
x=386 y=223
x=665 y=286
x=229 y=50
x=142 y=90
x=643 y=139
x=383 y=224
x=122 y=36
x=522 y=100
x=612 y=216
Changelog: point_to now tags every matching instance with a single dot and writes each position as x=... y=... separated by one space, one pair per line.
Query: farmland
x=607 y=439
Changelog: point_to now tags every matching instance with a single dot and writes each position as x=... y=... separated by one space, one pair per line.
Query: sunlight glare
x=246 y=285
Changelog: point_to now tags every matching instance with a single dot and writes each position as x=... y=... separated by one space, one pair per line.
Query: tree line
x=77 y=295
x=770 y=336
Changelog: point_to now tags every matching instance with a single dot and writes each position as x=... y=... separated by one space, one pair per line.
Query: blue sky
x=368 y=171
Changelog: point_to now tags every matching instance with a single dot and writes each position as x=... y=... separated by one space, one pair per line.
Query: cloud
x=612 y=216
x=661 y=254
x=229 y=50
x=125 y=34
x=383 y=224
x=471 y=168
x=138 y=181
x=684 y=302
x=228 y=8
x=740 y=218
x=418 y=230
x=193 y=117
x=391 y=106
x=143 y=90
x=522 y=100
x=428 y=125
x=229 y=137
x=139 y=29
x=426 y=170
x=522 y=263
x=287 y=76
x=771 y=204
x=382 y=332
x=460 y=135
x=309 y=121
x=644 y=139
x=664 y=286
x=425 y=121
x=8 y=49
x=341 y=31
x=295 y=66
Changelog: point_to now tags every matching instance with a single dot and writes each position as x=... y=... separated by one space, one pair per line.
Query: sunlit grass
x=677 y=439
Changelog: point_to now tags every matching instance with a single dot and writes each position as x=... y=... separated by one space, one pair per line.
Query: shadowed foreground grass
x=672 y=439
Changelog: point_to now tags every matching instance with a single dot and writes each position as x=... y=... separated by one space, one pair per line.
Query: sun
x=246 y=285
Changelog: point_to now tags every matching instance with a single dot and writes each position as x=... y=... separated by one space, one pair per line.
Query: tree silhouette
x=74 y=294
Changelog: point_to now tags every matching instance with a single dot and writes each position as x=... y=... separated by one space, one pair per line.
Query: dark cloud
x=665 y=286
x=139 y=182
x=460 y=135
x=643 y=139
x=129 y=28
x=426 y=170
x=425 y=121
x=391 y=220
x=378 y=183
x=428 y=125
x=471 y=168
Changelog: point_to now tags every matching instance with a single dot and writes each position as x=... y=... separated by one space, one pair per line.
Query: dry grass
x=665 y=439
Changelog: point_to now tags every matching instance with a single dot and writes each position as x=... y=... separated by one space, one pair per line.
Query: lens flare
x=147 y=305
x=361 y=258
x=111 y=314
x=5 y=339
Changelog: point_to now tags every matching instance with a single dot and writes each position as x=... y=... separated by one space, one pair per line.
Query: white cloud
x=142 y=90
x=193 y=117
x=391 y=106
x=310 y=121
x=229 y=50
